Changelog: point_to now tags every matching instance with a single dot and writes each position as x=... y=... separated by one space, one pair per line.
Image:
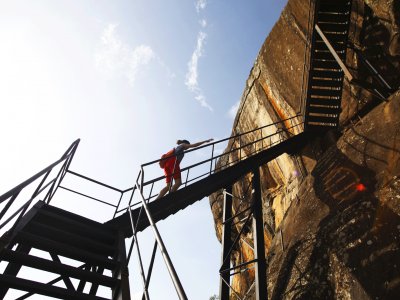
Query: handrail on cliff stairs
x=45 y=184
x=261 y=138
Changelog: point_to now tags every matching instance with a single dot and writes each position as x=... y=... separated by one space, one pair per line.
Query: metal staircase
x=326 y=70
x=100 y=248
x=63 y=234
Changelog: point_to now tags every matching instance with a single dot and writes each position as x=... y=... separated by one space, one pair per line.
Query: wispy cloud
x=201 y=5
x=233 y=110
x=203 y=23
x=192 y=74
x=115 y=56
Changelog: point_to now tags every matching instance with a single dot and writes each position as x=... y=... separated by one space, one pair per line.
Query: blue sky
x=129 y=78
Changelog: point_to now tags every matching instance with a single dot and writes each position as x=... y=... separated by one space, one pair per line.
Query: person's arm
x=186 y=146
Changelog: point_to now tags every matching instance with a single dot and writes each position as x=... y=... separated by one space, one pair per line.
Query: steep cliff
x=332 y=211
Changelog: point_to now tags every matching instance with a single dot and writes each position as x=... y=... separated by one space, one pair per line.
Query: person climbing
x=171 y=165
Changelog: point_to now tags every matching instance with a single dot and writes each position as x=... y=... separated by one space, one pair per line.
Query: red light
x=360 y=187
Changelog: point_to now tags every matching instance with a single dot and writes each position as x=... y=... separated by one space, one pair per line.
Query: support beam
x=121 y=292
x=95 y=285
x=82 y=282
x=12 y=269
x=153 y=255
x=226 y=244
x=258 y=234
x=66 y=279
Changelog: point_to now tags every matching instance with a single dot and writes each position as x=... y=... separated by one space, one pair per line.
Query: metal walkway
x=172 y=203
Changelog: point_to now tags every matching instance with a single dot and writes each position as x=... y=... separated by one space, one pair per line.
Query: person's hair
x=182 y=142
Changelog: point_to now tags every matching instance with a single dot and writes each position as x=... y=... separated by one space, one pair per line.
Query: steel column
x=258 y=234
x=122 y=292
x=226 y=244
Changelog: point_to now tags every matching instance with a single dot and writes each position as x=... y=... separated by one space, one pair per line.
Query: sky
x=128 y=78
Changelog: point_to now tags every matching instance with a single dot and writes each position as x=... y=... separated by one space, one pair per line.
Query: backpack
x=162 y=160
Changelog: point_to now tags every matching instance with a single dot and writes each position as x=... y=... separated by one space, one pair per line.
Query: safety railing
x=260 y=139
x=45 y=183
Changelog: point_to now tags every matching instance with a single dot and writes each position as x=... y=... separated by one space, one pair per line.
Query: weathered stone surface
x=331 y=212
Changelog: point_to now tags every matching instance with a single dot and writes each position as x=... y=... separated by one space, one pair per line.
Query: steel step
x=332 y=17
x=322 y=119
x=324 y=110
x=333 y=37
x=337 y=42
x=330 y=93
x=324 y=64
x=333 y=27
x=329 y=74
x=78 y=218
x=66 y=250
x=326 y=54
x=73 y=239
x=55 y=267
x=326 y=102
x=44 y=289
x=94 y=232
x=326 y=83
x=334 y=8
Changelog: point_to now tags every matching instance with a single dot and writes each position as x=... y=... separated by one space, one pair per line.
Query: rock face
x=332 y=211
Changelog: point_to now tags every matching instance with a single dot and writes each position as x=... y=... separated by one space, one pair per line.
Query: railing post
x=258 y=234
x=174 y=276
x=226 y=244
x=212 y=156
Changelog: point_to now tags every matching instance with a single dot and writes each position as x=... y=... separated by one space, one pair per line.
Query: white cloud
x=233 y=110
x=203 y=23
x=201 y=5
x=202 y=100
x=116 y=56
x=192 y=74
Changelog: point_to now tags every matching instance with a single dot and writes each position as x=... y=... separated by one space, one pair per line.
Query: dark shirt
x=179 y=151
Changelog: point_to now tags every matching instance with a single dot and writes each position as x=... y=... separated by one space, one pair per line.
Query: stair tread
x=322 y=118
x=44 y=289
x=334 y=8
x=56 y=267
x=329 y=74
x=64 y=250
x=339 y=27
x=98 y=232
x=324 y=64
x=74 y=239
x=326 y=83
x=326 y=54
x=325 y=92
x=330 y=102
x=324 y=110
x=330 y=17
x=76 y=217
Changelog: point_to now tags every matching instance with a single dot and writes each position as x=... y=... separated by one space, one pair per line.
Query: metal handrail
x=27 y=182
x=286 y=130
x=52 y=185
x=225 y=139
